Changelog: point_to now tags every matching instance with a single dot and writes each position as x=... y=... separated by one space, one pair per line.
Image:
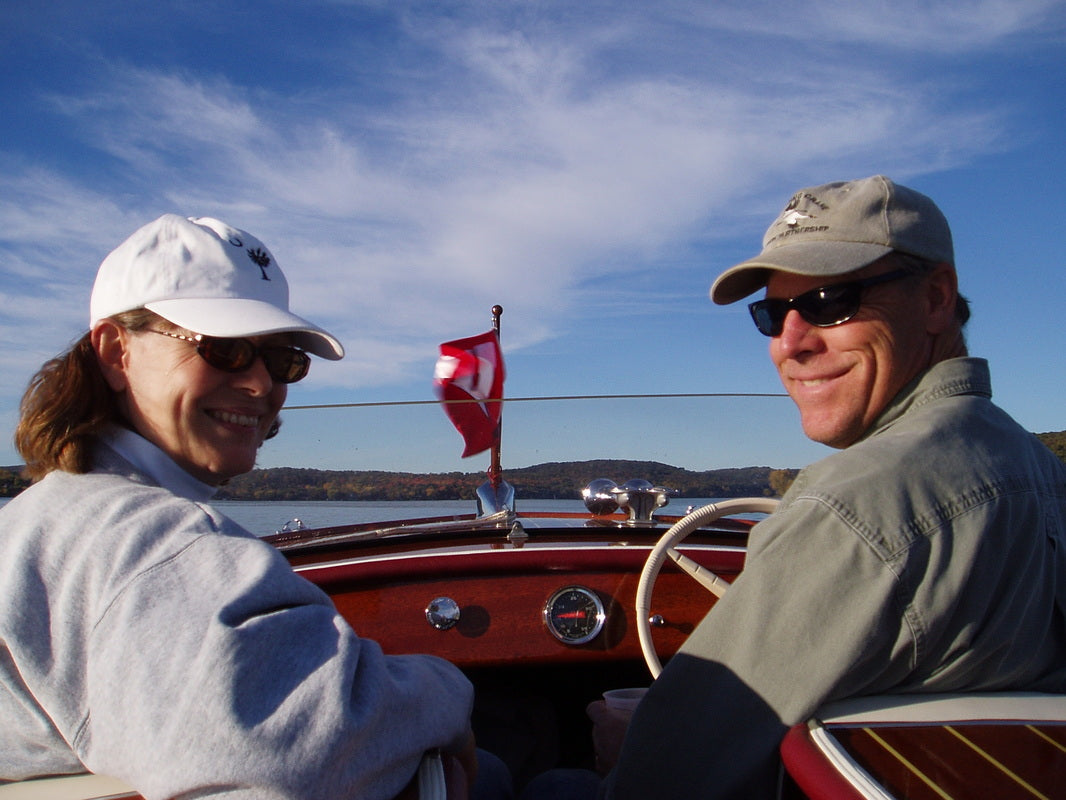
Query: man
x=928 y=555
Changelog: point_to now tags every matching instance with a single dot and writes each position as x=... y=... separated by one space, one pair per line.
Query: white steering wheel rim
x=654 y=563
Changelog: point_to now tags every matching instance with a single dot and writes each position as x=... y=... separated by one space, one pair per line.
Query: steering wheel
x=665 y=547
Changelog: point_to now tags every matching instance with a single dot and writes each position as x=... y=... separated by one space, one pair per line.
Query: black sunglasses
x=284 y=364
x=823 y=307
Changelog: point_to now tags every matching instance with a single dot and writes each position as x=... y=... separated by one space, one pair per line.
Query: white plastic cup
x=624 y=699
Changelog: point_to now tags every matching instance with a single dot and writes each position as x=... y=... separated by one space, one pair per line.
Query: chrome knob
x=442 y=613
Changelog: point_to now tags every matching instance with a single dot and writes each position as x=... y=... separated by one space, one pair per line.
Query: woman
x=142 y=634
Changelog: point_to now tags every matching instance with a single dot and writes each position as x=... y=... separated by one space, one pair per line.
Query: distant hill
x=11 y=481
x=1056 y=443
x=543 y=481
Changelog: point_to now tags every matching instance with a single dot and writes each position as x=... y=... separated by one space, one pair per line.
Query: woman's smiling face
x=210 y=422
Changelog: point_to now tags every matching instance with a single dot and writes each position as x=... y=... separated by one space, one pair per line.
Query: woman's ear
x=110 y=342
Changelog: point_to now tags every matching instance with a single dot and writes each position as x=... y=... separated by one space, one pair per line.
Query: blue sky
x=590 y=166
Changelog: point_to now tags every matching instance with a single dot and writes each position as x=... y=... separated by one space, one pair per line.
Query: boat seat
x=431 y=782
x=962 y=707
x=68 y=787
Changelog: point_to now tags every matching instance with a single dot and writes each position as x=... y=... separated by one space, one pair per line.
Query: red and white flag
x=472 y=370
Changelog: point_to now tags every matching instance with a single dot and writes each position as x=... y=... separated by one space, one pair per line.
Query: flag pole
x=494 y=465
x=496 y=494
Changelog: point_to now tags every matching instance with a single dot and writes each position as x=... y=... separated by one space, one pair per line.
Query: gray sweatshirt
x=145 y=636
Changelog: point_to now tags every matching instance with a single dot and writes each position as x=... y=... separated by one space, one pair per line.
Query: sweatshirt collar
x=156 y=464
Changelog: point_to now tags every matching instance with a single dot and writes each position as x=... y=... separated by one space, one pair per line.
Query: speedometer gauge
x=574 y=615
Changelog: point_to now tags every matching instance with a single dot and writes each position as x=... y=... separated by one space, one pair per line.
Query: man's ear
x=110 y=342
x=942 y=292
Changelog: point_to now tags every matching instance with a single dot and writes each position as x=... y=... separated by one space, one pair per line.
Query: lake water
x=263 y=518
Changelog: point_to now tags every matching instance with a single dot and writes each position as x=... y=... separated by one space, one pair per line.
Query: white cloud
x=949 y=27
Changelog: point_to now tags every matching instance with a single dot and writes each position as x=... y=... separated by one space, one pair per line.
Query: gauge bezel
x=597 y=626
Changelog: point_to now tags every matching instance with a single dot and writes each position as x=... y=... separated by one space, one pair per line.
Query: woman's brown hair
x=67 y=404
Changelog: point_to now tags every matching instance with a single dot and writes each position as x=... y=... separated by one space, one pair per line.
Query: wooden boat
x=546 y=611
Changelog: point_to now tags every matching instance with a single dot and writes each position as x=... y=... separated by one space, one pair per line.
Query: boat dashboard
x=529 y=590
x=538 y=609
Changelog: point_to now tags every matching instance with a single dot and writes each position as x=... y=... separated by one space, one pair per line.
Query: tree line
x=544 y=481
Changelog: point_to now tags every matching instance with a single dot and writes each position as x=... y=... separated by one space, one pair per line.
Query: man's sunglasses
x=822 y=307
x=284 y=364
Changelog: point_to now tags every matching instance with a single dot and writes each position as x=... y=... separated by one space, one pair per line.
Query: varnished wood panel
x=502 y=597
x=962 y=759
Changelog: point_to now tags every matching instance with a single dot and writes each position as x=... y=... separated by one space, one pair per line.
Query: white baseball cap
x=207 y=277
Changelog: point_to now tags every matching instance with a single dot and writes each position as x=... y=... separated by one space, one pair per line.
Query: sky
x=589 y=166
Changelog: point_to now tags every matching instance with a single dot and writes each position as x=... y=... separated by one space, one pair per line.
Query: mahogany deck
x=1002 y=747
x=963 y=760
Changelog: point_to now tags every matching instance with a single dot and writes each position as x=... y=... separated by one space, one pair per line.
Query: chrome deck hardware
x=640 y=498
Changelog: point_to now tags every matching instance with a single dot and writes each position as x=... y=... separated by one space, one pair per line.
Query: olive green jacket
x=928 y=557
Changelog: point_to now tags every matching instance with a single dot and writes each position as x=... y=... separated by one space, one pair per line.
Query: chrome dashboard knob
x=442 y=613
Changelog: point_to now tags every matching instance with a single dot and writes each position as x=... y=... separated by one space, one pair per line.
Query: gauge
x=574 y=615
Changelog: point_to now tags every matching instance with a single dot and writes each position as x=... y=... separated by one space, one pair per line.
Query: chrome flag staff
x=469 y=382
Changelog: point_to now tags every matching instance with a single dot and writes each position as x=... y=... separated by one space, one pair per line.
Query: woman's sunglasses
x=284 y=364
x=822 y=307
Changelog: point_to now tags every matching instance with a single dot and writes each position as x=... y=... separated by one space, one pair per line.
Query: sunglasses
x=284 y=364
x=823 y=307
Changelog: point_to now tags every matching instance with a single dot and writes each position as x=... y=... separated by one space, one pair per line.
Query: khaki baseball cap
x=838 y=228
